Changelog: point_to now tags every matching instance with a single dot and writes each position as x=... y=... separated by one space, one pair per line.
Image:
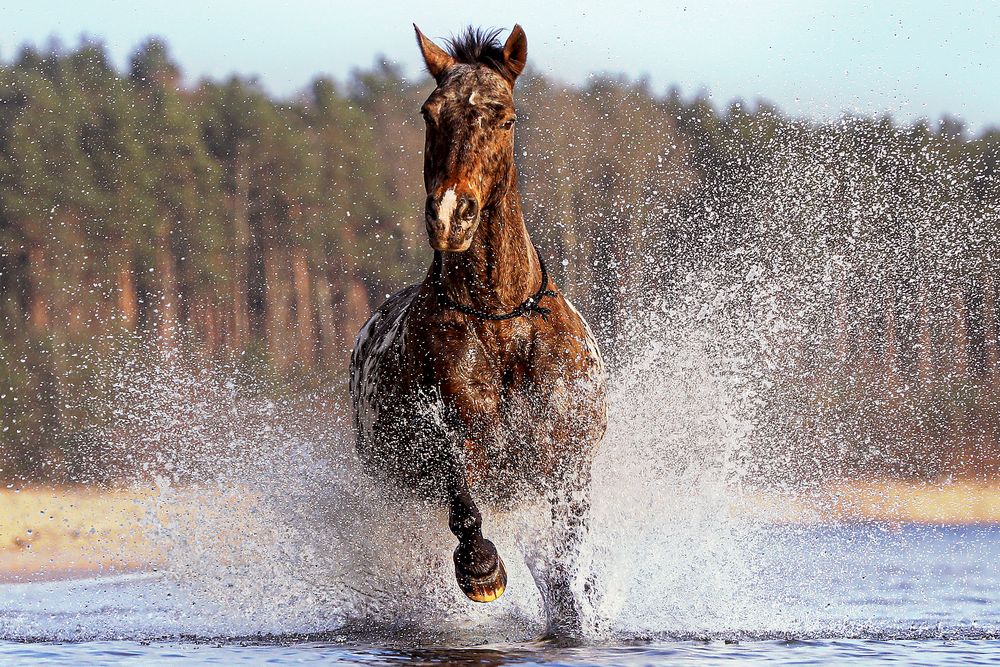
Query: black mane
x=477 y=46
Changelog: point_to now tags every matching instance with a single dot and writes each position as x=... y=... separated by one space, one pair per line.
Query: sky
x=812 y=58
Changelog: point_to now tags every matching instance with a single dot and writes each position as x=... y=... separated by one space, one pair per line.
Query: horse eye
x=509 y=123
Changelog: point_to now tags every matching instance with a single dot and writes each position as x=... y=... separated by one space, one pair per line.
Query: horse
x=483 y=380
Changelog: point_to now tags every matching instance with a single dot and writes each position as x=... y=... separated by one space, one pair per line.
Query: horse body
x=482 y=380
x=513 y=403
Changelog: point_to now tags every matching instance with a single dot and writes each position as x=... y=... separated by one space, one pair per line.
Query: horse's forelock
x=479 y=46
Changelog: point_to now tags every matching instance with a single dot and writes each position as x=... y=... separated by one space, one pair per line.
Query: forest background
x=219 y=224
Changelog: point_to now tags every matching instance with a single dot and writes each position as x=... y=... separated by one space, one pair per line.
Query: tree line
x=214 y=219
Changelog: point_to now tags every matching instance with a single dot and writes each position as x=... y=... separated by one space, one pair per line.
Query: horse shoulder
x=567 y=346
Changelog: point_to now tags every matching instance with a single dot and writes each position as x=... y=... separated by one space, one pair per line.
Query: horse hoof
x=483 y=589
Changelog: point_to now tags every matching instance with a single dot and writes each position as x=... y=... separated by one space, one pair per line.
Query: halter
x=529 y=305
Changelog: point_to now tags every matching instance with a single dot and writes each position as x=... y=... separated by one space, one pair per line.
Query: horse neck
x=500 y=269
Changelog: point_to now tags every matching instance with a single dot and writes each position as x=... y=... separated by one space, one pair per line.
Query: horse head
x=469 y=147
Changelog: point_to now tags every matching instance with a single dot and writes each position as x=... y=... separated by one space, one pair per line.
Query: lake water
x=910 y=594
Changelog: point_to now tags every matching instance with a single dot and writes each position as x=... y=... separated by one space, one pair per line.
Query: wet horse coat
x=483 y=380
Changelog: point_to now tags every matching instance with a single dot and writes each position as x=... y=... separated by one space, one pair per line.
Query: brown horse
x=483 y=379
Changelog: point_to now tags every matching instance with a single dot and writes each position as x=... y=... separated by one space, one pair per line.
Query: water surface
x=910 y=594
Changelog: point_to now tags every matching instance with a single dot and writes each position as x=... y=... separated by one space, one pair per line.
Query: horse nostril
x=468 y=208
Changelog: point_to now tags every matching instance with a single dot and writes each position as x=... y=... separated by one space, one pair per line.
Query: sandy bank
x=956 y=503
x=54 y=533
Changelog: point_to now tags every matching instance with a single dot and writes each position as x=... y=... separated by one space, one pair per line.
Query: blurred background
x=237 y=186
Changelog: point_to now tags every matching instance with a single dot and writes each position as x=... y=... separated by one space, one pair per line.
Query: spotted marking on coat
x=592 y=347
x=382 y=336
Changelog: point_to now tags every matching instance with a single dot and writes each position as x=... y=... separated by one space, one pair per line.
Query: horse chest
x=508 y=375
x=487 y=362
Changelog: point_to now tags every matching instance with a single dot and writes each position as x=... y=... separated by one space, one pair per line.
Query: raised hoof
x=483 y=589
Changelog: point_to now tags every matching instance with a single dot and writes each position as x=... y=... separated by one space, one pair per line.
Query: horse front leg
x=478 y=567
x=473 y=409
x=569 y=504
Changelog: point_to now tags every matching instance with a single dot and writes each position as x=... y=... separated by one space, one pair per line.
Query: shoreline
x=960 y=503
x=957 y=503
x=49 y=534
x=53 y=533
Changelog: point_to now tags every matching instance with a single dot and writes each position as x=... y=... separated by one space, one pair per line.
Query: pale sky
x=812 y=58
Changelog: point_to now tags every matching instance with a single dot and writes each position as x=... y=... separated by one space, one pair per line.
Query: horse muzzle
x=451 y=220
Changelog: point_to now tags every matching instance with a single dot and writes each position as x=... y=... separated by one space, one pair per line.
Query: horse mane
x=478 y=46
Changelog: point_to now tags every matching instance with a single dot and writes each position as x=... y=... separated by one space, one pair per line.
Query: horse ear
x=515 y=52
x=436 y=58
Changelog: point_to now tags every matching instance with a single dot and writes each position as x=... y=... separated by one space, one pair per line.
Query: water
x=823 y=594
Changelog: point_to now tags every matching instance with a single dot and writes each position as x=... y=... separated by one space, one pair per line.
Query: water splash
x=725 y=386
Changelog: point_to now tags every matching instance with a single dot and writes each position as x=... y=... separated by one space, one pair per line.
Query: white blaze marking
x=446 y=208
